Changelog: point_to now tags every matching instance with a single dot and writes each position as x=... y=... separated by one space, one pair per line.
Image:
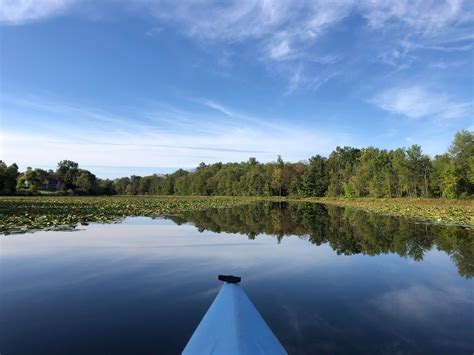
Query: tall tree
x=461 y=151
x=120 y=185
x=315 y=178
x=105 y=187
x=85 y=182
x=8 y=176
x=341 y=165
x=399 y=165
x=414 y=157
x=439 y=165
x=277 y=176
x=450 y=178
x=426 y=168
x=470 y=174
x=67 y=171
x=31 y=180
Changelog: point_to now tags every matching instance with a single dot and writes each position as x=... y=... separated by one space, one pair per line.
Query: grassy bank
x=19 y=214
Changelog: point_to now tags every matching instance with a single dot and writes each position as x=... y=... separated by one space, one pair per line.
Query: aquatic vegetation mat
x=444 y=211
x=22 y=214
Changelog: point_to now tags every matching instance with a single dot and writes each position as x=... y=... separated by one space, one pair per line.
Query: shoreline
x=21 y=213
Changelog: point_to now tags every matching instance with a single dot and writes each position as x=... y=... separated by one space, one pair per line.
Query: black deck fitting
x=230 y=278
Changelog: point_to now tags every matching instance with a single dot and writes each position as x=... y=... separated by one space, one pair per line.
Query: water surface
x=326 y=280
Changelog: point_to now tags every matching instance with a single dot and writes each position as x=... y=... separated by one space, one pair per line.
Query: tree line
x=347 y=171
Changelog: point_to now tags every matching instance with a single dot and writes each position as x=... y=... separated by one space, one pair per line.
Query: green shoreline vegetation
x=20 y=214
x=400 y=182
x=426 y=209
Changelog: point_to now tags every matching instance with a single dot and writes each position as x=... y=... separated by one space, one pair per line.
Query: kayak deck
x=232 y=325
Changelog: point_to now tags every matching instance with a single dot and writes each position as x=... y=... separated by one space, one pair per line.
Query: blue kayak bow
x=232 y=325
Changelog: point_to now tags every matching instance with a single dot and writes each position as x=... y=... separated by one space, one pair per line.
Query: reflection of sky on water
x=420 y=303
x=147 y=277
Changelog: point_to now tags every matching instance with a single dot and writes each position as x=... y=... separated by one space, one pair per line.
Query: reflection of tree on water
x=347 y=231
x=459 y=244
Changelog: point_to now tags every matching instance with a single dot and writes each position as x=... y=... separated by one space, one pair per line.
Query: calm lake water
x=326 y=280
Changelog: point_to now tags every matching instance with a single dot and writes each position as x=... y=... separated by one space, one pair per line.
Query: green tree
x=426 y=167
x=439 y=165
x=8 y=176
x=277 y=176
x=400 y=168
x=370 y=174
x=253 y=180
x=182 y=185
x=315 y=178
x=341 y=164
x=120 y=185
x=145 y=185
x=85 y=182
x=134 y=187
x=414 y=165
x=67 y=171
x=470 y=174
x=168 y=183
x=461 y=151
x=30 y=181
x=156 y=183
x=105 y=187
x=349 y=190
x=293 y=175
x=450 y=178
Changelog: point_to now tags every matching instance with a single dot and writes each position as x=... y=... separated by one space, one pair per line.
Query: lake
x=327 y=280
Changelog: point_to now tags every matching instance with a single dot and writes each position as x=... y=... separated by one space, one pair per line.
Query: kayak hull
x=232 y=325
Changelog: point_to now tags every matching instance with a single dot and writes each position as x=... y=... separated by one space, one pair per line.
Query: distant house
x=51 y=183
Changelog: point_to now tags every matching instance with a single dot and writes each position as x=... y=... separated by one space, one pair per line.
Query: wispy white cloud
x=279 y=24
x=289 y=32
x=443 y=64
x=284 y=34
x=418 y=102
x=218 y=107
x=164 y=138
x=22 y=11
x=299 y=78
x=295 y=81
x=280 y=50
x=423 y=16
x=230 y=21
x=284 y=23
x=408 y=27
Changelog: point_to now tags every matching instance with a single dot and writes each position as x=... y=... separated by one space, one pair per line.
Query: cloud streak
x=149 y=145
x=218 y=107
x=419 y=102
x=16 y=12
x=161 y=140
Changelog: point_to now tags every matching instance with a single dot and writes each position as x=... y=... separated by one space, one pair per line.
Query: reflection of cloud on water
x=161 y=242
x=302 y=320
x=421 y=303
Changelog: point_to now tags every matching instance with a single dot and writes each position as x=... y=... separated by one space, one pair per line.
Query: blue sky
x=137 y=87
